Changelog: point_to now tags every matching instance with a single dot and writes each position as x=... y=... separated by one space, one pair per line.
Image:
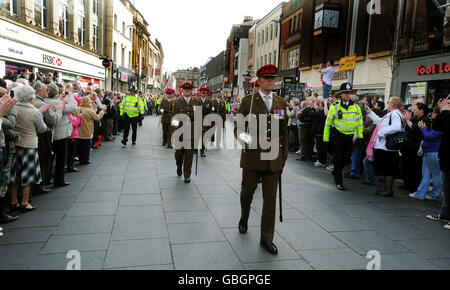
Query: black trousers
x=342 y=153
x=321 y=149
x=133 y=122
x=45 y=155
x=412 y=171
x=72 y=152
x=84 y=150
x=60 y=149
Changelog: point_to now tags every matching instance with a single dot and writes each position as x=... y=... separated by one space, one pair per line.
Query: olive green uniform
x=184 y=156
x=269 y=171
x=207 y=108
x=165 y=108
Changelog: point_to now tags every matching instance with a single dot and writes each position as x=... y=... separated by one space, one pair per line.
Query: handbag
x=396 y=141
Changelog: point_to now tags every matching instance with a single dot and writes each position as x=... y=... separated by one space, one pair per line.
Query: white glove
x=162 y=110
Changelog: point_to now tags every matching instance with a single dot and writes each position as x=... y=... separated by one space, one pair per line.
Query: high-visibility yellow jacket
x=144 y=101
x=347 y=122
x=132 y=106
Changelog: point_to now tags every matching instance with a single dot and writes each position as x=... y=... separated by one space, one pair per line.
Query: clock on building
x=326 y=21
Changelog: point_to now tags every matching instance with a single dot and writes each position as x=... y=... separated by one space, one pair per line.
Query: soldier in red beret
x=185 y=105
x=264 y=103
x=206 y=110
x=165 y=109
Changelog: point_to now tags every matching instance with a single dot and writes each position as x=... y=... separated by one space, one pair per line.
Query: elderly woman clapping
x=25 y=169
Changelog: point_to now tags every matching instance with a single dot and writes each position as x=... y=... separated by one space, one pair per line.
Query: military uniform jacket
x=166 y=107
x=180 y=106
x=251 y=159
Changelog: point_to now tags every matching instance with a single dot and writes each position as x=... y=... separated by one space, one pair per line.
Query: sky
x=191 y=31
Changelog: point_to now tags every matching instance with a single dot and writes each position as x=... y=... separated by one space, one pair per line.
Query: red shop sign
x=434 y=69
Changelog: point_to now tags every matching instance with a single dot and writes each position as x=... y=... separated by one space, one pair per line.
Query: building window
x=271 y=31
x=292 y=59
x=267 y=35
x=265 y=59
x=115 y=52
x=40 y=13
x=81 y=30
x=9 y=6
x=129 y=60
x=123 y=57
x=275 y=58
x=123 y=28
x=63 y=19
x=270 y=58
x=300 y=18
x=262 y=64
x=115 y=21
x=257 y=64
x=95 y=37
x=131 y=33
x=95 y=7
x=276 y=30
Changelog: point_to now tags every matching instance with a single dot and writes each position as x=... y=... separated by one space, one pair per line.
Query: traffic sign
x=347 y=63
x=106 y=63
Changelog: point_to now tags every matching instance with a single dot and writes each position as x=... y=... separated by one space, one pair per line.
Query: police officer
x=186 y=105
x=346 y=118
x=131 y=108
x=144 y=101
x=165 y=109
x=254 y=168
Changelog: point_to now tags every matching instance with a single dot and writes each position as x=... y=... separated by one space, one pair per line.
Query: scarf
x=373 y=141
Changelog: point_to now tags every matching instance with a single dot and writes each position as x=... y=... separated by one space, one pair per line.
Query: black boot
x=4 y=219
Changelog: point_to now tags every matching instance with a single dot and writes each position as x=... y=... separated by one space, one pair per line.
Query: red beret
x=187 y=86
x=268 y=71
x=210 y=92
x=170 y=91
x=204 y=90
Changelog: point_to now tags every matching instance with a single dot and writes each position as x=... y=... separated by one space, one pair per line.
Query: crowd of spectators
x=47 y=127
x=422 y=164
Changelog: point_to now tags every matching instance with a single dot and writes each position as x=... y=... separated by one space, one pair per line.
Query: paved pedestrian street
x=129 y=210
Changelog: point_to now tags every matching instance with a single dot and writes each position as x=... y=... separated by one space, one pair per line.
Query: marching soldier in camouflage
x=186 y=105
x=207 y=108
x=254 y=168
x=166 y=109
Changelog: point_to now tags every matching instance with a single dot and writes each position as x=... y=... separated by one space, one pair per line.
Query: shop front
x=425 y=78
x=124 y=79
x=22 y=48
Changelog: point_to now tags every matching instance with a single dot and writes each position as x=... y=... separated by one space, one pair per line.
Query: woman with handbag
x=386 y=162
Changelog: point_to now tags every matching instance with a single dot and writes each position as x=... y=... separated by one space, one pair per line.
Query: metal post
x=353 y=36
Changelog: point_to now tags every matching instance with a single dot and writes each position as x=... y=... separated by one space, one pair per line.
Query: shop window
x=9 y=6
x=40 y=13
x=414 y=92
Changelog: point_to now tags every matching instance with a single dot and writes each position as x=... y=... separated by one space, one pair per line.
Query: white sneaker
x=318 y=164
x=299 y=152
x=1 y=234
x=1 y=229
x=330 y=167
x=447 y=227
x=413 y=195
x=428 y=197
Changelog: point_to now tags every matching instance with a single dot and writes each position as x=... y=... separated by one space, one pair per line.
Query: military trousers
x=184 y=158
x=166 y=134
x=342 y=152
x=250 y=179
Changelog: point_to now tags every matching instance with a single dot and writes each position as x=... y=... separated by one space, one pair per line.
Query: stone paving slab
x=129 y=211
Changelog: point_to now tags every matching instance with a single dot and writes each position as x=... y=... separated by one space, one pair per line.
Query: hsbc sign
x=48 y=59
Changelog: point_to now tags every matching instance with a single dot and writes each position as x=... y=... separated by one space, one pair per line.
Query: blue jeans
x=430 y=169
x=356 y=161
x=370 y=171
x=326 y=91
